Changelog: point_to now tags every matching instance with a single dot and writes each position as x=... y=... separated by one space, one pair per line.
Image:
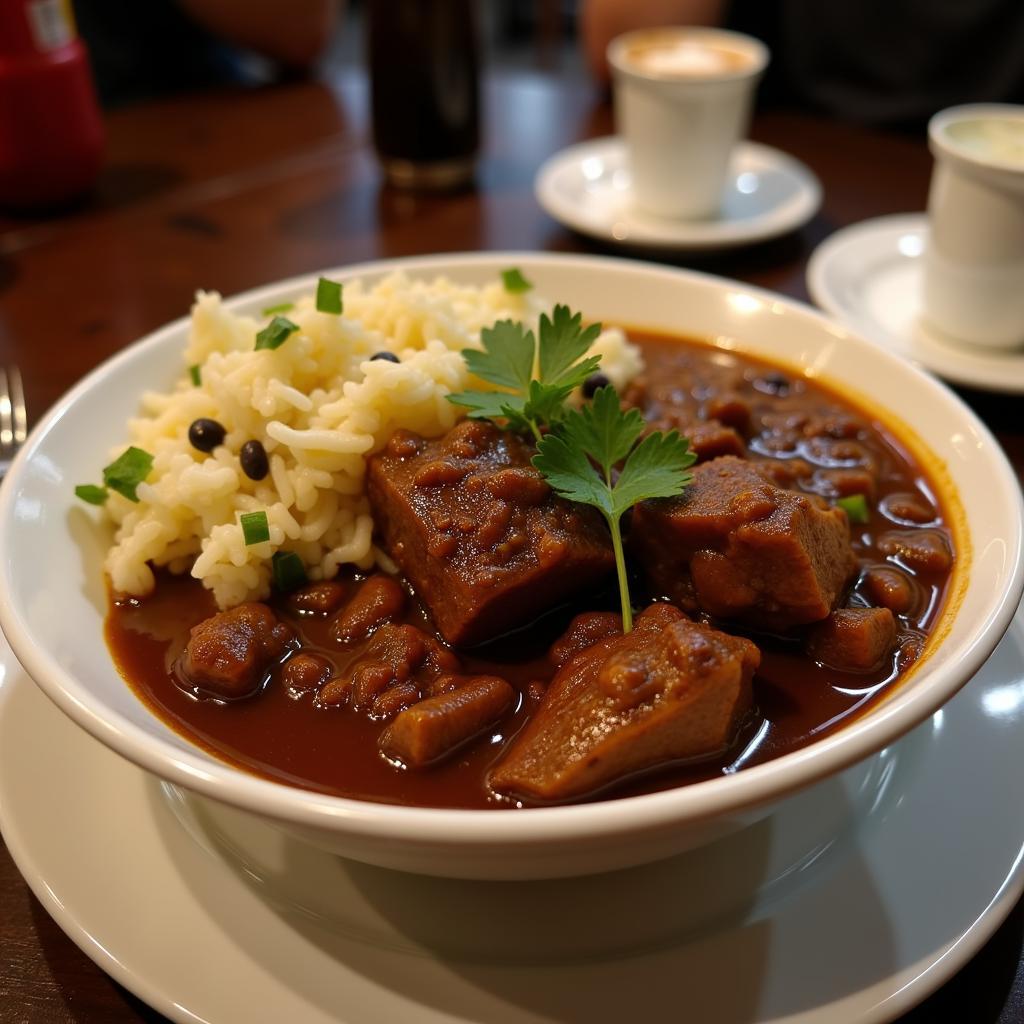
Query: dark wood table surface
x=236 y=189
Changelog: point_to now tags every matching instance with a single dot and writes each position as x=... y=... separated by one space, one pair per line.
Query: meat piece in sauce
x=738 y=547
x=436 y=726
x=377 y=600
x=853 y=639
x=670 y=690
x=478 y=533
x=399 y=667
x=229 y=655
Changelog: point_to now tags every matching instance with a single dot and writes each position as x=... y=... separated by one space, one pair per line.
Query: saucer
x=869 y=276
x=588 y=188
x=203 y=934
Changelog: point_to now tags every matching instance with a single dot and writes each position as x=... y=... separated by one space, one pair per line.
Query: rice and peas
x=319 y=405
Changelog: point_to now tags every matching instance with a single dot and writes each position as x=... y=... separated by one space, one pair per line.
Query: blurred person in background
x=142 y=50
x=882 y=62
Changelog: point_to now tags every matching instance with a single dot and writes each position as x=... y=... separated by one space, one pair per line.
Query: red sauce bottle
x=51 y=135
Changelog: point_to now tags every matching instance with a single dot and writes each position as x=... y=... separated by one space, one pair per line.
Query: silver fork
x=13 y=416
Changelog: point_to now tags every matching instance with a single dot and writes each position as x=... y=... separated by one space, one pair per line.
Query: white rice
x=320 y=407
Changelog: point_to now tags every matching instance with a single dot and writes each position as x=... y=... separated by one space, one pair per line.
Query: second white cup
x=682 y=102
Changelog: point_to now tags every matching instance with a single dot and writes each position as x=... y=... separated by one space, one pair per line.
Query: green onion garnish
x=281 y=307
x=288 y=570
x=194 y=373
x=514 y=281
x=125 y=473
x=328 y=296
x=255 y=527
x=91 y=493
x=276 y=333
x=856 y=508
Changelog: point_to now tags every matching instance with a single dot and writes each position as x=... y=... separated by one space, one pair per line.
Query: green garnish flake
x=856 y=508
x=195 y=374
x=276 y=333
x=91 y=493
x=288 y=571
x=510 y=355
x=255 y=527
x=281 y=307
x=602 y=432
x=127 y=471
x=514 y=282
x=328 y=296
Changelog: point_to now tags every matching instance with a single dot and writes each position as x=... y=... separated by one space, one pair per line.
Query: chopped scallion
x=328 y=296
x=276 y=333
x=281 y=307
x=288 y=570
x=856 y=508
x=91 y=493
x=127 y=471
x=514 y=281
x=195 y=374
x=255 y=527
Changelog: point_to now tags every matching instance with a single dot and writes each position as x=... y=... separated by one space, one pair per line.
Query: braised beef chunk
x=853 y=639
x=923 y=549
x=319 y=598
x=229 y=655
x=479 y=534
x=584 y=631
x=377 y=600
x=434 y=727
x=396 y=656
x=741 y=548
x=670 y=690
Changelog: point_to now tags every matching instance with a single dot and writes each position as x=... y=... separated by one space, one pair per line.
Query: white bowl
x=52 y=599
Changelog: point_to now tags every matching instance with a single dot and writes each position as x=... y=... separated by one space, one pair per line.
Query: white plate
x=869 y=276
x=588 y=188
x=873 y=922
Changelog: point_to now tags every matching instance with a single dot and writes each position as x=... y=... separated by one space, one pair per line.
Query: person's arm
x=602 y=20
x=294 y=32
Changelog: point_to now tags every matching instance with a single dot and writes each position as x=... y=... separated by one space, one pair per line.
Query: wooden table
x=233 y=190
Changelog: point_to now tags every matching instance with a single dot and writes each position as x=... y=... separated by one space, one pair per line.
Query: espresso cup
x=974 y=262
x=682 y=102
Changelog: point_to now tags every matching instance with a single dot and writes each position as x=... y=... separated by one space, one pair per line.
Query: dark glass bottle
x=424 y=82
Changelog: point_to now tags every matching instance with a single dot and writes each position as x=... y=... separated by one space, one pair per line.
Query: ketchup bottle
x=51 y=135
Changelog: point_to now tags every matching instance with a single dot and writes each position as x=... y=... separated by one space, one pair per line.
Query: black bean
x=593 y=382
x=389 y=356
x=253 y=458
x=205 y=434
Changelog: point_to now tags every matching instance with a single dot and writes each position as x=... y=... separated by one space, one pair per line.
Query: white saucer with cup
x=682 y=102
x=974 y=265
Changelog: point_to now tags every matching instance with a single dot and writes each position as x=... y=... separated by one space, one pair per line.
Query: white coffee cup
x=974 y=262
x=682 y=102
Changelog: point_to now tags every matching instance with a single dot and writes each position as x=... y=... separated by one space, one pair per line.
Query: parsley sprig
x=534 y=380
x=578 y=461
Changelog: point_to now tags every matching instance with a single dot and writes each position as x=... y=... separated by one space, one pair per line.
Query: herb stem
x=620 y=565
x=538 y=437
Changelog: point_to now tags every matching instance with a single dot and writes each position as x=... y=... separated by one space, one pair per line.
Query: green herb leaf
x=562 y=342
x=508 y=360
x=255 y=527
x=507 y=357
x=125 y=473
x=605 y=433
x=196 y=374
x=856 y=508
x=328 y=296
x=514 y=281
x=281 y=307
x=276 y=333
x=287 y=570
x=91 y=493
